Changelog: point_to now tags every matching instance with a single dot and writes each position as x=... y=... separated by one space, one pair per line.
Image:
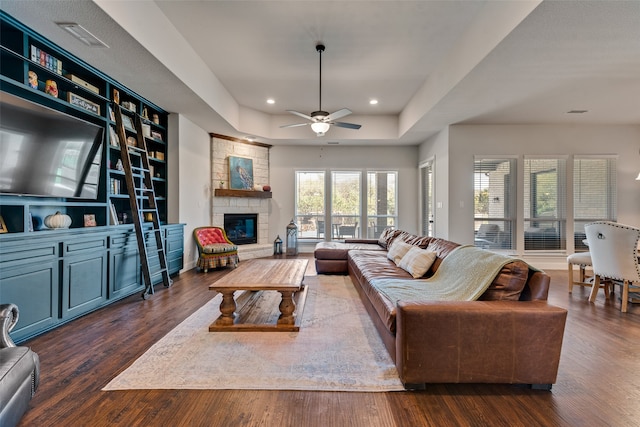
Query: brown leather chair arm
x=479 y=342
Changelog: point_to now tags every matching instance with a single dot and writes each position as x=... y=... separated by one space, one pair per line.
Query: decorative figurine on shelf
x=156 y=119
x=33 y=80
x=277 y=246
x=57 y=220
x=145 y=113
x=51 y=88
x=116 y=96
x=119 y=165
x=292 y=238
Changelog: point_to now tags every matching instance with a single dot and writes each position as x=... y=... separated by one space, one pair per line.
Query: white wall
x=437 y=148
x=465 y=141
x=189 y=180
x=285 y=160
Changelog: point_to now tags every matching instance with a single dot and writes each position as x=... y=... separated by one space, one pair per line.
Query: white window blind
x=545 y=203
x=494 y=202
x=594 y=193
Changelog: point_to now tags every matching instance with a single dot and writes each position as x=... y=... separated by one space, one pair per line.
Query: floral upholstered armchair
x=214 y=248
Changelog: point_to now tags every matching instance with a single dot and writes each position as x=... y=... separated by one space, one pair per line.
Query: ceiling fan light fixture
x=320 y=128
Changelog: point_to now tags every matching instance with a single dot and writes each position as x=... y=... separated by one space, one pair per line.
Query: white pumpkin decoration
x=57 y=220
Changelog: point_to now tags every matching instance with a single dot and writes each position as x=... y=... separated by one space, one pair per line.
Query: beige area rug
x=336 y=349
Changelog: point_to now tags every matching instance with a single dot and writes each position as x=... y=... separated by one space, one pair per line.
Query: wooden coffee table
x=254 y=309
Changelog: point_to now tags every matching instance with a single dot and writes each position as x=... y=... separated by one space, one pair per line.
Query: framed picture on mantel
x=240 y=173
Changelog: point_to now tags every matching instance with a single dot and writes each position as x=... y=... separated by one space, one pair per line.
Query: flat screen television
x=44 y=152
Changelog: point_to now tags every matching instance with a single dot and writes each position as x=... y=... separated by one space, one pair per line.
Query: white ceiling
x=429 y=63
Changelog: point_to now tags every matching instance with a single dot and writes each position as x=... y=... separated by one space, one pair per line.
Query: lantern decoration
x=292 y=239
x=277 y=246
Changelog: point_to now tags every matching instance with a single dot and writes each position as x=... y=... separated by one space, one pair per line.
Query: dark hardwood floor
x=598 y=381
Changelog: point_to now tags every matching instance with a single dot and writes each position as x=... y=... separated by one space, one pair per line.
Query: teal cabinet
x=174 y=247
x=124 y=265
x=55 y=276
x=84 y=275
x=34 y=289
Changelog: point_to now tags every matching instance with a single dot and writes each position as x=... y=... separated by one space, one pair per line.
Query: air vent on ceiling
x=82 y=34
x=577 y=111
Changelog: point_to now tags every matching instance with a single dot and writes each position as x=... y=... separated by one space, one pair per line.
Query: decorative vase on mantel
x=221 y=186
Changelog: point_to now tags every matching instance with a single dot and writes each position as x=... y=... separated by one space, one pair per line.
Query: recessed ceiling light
x=373 y=101
x=79 y=32
x=271 y=101
x=577 y=111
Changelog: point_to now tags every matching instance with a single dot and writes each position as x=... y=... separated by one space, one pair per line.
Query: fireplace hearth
x=241 y=229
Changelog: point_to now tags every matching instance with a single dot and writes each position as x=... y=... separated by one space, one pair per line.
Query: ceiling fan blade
x=304 y=116
x=294 y=125
x=346 y=125
x=337 y=115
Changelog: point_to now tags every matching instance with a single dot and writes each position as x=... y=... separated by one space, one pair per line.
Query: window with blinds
x=545 y=188
x=494 y=202
x=594 y=194
x=310 y=204
x=382 y=202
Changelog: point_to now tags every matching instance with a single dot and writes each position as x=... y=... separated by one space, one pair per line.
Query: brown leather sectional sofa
x=509 y=335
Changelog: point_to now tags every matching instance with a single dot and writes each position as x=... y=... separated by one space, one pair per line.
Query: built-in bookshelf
x=57 y=274
x=33 y=68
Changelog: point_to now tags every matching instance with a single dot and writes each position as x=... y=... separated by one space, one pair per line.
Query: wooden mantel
x=222 y=192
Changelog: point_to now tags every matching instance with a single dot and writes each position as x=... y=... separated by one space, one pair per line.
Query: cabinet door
x=124 y=272
x=34 y=289
x=84 y=276
x=175 y=248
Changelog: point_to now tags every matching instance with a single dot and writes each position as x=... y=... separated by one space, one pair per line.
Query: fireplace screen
x=241 y=229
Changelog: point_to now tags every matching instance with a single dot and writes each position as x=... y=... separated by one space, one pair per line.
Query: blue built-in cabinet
x=56 y=275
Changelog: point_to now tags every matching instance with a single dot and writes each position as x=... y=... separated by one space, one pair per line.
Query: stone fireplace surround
x=221 y=148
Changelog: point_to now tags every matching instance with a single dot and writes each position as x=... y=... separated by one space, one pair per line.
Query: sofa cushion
x=219 y=248
x=442 y=248
x=397 y=250
x=387 y=236
x=369 y=265
x=412 y=239
x=417 y=261
x=509 y=283
x=339 y=250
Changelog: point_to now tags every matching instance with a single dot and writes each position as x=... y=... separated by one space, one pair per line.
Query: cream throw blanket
x=463 y=275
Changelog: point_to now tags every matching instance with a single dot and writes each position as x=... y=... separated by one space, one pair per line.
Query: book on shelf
x=115 y=185
x=113 y=214
x=43 y=58
x=113 y=137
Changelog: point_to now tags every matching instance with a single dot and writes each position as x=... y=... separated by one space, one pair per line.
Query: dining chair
x=582 y=260
x=614 y=254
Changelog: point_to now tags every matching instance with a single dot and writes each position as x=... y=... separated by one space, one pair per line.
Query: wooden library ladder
x=138 y=195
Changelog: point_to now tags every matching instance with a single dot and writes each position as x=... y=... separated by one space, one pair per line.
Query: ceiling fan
x=321 y=121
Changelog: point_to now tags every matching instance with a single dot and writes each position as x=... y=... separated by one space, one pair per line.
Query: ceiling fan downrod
x=319 y=48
